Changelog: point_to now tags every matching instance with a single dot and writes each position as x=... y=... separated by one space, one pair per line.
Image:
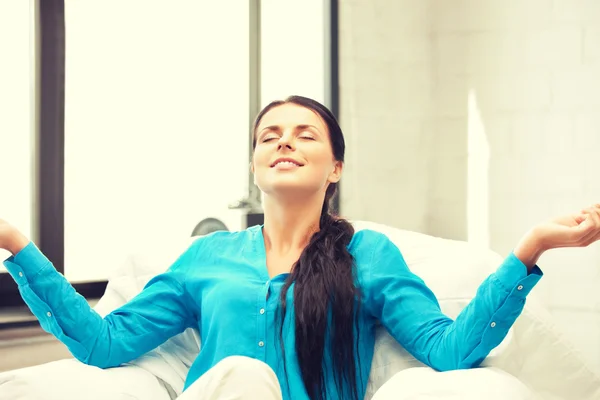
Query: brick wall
x=475 y=120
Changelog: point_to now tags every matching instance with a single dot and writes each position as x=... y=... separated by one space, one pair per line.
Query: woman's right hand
x=11 y=238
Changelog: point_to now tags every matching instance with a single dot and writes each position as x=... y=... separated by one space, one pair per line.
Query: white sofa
x=534 y=361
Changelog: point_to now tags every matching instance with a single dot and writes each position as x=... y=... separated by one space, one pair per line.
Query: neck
x=289 y=225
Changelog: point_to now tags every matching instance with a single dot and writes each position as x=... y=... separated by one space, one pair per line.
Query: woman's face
x=293 y=153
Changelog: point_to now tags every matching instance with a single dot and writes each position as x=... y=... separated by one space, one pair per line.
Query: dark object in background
x=208 y=225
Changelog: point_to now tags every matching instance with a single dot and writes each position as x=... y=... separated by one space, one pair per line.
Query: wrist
x=17 y=242
x=529 y=250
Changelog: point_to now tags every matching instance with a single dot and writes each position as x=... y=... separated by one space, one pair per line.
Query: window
x=294 y=50
x=17 y=127
x=156 y=117
x=156 y=124
x=299 y=55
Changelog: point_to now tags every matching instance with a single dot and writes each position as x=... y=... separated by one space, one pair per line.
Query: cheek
x=320 y=169
x=324 y=161
x=259 y=158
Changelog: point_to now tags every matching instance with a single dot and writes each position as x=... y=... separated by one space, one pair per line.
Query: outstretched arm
x=410 y=311
x=159 y=312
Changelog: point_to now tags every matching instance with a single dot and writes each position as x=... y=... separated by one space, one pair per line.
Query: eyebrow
x=277 y=128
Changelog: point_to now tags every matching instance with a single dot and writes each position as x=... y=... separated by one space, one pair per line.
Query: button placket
x=261 y=322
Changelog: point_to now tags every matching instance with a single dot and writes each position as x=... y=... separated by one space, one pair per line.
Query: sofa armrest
x=73 y=380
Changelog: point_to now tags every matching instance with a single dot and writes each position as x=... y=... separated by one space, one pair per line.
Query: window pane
x=17 y=115
x=293 y=49
x=156 y=124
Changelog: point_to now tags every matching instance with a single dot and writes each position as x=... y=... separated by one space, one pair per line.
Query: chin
x=290 y=190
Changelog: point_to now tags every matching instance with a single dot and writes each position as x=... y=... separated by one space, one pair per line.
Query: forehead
x=290 y=115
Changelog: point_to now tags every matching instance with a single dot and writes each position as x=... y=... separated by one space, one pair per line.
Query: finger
x=579 y=218
x=587 y=228
x=597 y=220
x=594 y=238
x=591 y=208
x=593 y=229
x=589 y=214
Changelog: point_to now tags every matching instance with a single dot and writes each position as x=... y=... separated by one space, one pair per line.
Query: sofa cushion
x=73 y=380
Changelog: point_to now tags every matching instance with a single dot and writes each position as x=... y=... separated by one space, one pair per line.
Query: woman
x=289 y=309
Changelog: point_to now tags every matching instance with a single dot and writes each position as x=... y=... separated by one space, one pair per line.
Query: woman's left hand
x=577 y=230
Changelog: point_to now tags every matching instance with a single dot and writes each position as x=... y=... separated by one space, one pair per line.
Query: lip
x=299 y=164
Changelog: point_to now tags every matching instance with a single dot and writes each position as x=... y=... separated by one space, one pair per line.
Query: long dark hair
x=325 y=295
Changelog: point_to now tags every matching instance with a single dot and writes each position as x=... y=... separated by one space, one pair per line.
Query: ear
x=336 y=174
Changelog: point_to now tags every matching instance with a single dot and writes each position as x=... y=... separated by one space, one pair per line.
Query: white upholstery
x=70 y=380
x=534 y=353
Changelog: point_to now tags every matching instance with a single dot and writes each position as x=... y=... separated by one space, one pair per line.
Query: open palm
x=576 y=230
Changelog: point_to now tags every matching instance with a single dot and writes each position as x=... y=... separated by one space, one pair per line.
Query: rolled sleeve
x=27 y=264
x=512 y=275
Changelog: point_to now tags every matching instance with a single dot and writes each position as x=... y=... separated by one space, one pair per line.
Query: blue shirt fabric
x=220 y=285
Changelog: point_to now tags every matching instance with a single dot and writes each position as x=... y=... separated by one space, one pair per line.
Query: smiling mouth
x=286 y=163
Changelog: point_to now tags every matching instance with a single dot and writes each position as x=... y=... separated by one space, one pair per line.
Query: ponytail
x=325 y=293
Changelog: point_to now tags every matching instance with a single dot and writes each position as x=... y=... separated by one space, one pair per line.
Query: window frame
x=49 y=90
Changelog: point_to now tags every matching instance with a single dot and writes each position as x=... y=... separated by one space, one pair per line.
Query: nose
x=286 y=141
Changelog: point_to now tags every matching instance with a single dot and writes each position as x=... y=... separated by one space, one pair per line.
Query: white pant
x=471 y=384
x=235 y=378
x=244 y=378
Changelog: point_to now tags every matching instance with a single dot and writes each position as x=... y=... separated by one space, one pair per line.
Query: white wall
x=476 y=120
x=386 y=79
